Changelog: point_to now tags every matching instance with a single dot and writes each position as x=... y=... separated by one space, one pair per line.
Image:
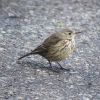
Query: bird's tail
x=28 y=54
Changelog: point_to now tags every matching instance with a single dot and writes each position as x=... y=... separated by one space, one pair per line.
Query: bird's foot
x=68 y=69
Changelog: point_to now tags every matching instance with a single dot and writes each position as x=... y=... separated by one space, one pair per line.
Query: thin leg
x=60 y=65
x=50 y=63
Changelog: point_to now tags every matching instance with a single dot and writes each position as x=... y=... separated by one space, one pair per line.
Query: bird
x=57 y=47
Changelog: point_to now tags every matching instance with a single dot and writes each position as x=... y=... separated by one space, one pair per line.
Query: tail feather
x=38 y=50
x=28 y=54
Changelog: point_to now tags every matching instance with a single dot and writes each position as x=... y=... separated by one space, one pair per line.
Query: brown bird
x=56 y=47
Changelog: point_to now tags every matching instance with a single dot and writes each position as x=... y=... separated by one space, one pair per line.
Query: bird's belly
x=59 y=55
x=59 y=51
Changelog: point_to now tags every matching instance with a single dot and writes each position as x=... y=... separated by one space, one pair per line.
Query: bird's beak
x=77 y=32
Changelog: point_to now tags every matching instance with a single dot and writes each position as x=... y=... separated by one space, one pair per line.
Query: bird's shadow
x=42 y=66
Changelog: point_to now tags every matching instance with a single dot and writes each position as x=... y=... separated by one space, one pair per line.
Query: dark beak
x=77 y=32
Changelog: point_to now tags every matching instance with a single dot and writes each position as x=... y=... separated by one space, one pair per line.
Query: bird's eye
x=69 y=33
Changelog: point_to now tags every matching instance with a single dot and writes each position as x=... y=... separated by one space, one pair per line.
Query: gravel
x=24 y=24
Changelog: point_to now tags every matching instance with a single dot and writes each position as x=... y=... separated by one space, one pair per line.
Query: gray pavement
x=24 y=24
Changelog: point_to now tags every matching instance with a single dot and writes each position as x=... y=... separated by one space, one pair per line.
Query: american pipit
x=56 y=47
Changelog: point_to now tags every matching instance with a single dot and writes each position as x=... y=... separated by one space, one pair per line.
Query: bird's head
x=69 y=34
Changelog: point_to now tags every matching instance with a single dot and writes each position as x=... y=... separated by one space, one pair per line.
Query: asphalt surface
x=24 y=24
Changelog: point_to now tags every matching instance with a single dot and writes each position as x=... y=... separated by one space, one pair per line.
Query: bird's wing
x=52 y=40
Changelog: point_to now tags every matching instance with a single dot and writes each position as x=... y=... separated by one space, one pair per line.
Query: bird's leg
x=60 y=65
x=50 y=63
